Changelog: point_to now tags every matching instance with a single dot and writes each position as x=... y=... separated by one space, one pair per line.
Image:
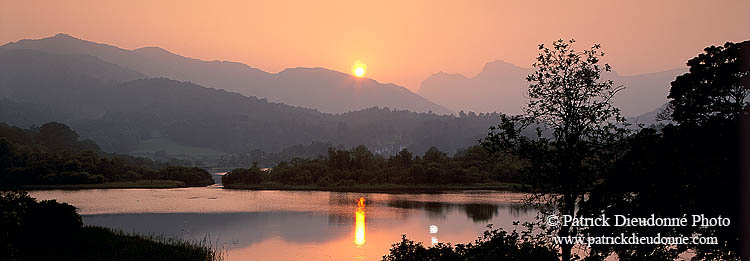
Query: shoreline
x=378 y=188
x=382 y=188
x=141 y=184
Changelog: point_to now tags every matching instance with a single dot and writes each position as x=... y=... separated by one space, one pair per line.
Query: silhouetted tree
x=691 y=167
x=713 y=89
x=577 y=127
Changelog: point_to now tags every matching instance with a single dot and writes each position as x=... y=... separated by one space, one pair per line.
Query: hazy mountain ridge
x=479 y=93
x=333 y=92
x=84 y=64
x=502 y=86
x=121 y=115
x=649 y=118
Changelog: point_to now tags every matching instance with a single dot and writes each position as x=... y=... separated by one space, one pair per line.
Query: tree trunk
x=568 y=209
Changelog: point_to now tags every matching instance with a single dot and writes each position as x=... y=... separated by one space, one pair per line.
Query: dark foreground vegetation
x=494 y=244
x=584 y=162
x=359 y=169
x=52 y=155
x=48 y=230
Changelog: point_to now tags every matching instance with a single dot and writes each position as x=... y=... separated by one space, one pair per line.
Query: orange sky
x=402 y=42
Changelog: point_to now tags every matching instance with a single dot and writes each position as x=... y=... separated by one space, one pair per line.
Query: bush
x=190 y=176
x=27 y=224
x=243 y=176
x=48 y=230
x=495 y=244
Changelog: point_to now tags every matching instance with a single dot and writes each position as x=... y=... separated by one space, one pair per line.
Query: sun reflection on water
x=359 y=225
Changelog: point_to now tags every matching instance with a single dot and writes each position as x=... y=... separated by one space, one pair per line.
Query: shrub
x=495 y=244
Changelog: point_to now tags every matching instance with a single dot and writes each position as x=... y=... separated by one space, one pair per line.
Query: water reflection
x=294 y=225
x=359 y=227
x=237 y=230
x=477 y=212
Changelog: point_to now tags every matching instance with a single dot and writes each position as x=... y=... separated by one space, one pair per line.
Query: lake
x=291 y=225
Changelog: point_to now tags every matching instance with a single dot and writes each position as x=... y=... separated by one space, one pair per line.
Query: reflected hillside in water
x=314 y=225
x=476 y=211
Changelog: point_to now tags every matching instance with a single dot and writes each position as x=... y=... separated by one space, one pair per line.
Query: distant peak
x=442 y=74
x=154 y=49
x=499 y=61
x=64 y=36
x=499 y=64
x=308 y=69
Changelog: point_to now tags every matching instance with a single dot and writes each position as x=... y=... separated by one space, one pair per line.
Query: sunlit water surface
x=293 y=225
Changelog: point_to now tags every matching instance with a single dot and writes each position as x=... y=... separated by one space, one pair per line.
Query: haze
x=401 y=42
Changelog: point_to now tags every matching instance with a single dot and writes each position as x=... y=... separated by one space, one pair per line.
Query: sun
x=359 y=68
x=359 y=71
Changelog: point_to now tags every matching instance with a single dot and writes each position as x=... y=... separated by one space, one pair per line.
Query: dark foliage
x=360 y=166
x=689 y=168
x=52 y=154
x=714 y=88
x=48 y=230
x=671 y=173
x=572 y=105
x=494 y=244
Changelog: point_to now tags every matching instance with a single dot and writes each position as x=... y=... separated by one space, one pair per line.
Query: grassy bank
x=384 y=188
x=50 y=230
x=105 y=185
x=98 y=243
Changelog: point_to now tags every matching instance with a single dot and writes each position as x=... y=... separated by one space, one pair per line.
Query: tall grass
x=113 y=244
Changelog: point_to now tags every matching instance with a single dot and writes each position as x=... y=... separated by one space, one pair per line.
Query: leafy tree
x=577 y=127
x=691 y=167
x=57 y=136
x=713 y=88
x=27 y=224
x=434 y=155
x=403 y=159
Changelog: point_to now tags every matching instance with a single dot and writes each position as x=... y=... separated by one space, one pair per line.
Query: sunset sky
x=402 y=42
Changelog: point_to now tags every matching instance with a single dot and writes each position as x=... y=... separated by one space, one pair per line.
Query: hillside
x=123 y=116
x=315 y=88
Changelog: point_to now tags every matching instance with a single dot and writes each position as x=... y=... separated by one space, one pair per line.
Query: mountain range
x=316 y=88
x=499 y=87
x=502 y=86
x=148 y=100
x=123 y=111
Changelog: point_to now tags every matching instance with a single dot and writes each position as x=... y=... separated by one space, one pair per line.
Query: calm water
x=292 y=225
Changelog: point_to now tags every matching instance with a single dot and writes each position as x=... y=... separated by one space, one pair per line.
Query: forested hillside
x=53 y=154
x=118 y=111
